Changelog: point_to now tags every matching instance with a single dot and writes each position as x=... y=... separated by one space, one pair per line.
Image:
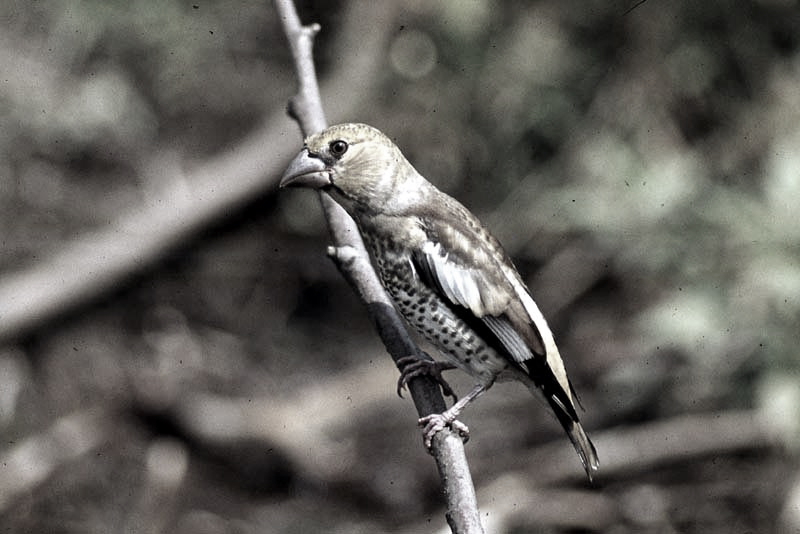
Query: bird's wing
x=468 y=268
x=481 y=289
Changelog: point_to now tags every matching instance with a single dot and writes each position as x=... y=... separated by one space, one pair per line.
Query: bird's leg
x=439 y=421
x=413 y=366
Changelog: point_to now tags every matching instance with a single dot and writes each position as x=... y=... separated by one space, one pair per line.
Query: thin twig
x=634 y=6
x=350 y=256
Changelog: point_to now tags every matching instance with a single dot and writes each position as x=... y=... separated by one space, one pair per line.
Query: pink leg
x=433 y=423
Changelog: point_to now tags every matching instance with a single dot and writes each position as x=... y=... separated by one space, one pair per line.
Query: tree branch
x=351 y=258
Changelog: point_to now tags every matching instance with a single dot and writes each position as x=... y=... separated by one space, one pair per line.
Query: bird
x=447 y=275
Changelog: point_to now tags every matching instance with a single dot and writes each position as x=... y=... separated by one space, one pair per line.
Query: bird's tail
x=583 y=445
x=585 y=448
x=545 y=387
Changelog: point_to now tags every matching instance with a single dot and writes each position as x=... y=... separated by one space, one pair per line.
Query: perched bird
x=447 y=275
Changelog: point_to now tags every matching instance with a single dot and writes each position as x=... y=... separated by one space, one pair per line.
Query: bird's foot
x=431 y=424
x=434 y=423
x=414 y=366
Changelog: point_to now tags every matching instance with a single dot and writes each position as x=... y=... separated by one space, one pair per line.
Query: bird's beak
x=306 y=171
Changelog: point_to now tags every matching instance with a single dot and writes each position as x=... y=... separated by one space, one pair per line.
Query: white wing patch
x=458 y=283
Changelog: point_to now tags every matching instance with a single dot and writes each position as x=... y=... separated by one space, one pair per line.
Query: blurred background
x=178 y=355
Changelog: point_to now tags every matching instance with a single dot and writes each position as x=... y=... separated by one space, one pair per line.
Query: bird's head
x=357 y=164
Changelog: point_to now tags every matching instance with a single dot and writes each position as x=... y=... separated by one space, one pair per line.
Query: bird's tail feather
x=585 y=448
x=561 y=404
x=583 y=445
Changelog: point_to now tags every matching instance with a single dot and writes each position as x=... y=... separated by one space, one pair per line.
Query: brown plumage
x=445 y=272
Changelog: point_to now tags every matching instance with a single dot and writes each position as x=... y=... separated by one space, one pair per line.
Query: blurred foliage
x=642 y=167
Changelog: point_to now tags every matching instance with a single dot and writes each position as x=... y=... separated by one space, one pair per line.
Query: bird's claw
x=434 y=423
x=414 y=366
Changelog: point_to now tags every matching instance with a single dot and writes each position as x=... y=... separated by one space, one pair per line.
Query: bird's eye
x=338 y=148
